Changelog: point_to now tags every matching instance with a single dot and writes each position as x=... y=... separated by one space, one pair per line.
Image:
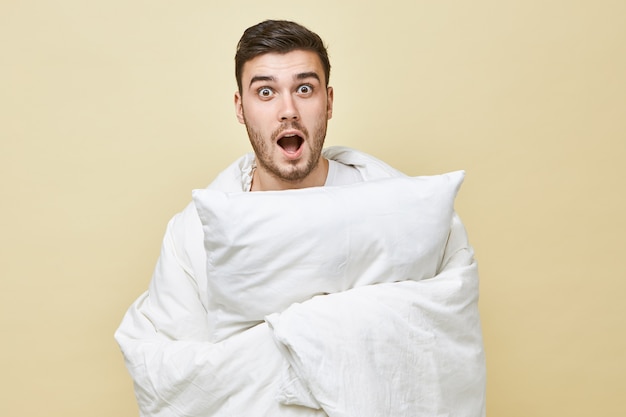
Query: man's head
x=284 y=100
x=278 y=36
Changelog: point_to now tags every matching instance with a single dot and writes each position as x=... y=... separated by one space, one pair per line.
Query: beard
x=289 y=171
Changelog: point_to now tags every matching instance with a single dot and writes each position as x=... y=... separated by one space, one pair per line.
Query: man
x=280 y=326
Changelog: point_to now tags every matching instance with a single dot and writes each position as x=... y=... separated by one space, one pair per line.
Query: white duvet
x=357 y=300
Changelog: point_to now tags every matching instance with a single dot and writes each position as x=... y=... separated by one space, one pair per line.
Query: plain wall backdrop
x=111 y=112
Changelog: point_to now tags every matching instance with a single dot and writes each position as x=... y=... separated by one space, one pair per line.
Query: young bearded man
x=344 y=288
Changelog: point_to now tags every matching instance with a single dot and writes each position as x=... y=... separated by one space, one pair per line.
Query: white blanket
x=399 y=347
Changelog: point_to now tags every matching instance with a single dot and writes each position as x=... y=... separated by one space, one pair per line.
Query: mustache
x=291 y=125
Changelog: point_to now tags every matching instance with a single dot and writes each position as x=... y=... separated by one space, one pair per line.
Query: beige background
x=112 y=111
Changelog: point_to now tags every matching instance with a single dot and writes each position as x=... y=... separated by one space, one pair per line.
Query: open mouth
x=290 y=143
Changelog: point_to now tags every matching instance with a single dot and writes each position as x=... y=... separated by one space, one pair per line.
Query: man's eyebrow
x=310 y=74
x=257 y=78
x=300 y=76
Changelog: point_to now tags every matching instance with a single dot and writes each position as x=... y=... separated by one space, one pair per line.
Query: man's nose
x=288 y=110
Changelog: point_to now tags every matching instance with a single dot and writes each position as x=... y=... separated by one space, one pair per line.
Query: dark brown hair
x=278 y=36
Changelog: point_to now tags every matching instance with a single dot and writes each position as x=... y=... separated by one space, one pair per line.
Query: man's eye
x=265 y=92
x=305 y=89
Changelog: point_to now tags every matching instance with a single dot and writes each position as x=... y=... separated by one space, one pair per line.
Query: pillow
x=268 y=250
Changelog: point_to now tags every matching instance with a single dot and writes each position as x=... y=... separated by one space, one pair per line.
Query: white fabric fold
x=411 y=348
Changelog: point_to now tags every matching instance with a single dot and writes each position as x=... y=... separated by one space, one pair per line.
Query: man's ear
x=239 y=108
x=329 y=106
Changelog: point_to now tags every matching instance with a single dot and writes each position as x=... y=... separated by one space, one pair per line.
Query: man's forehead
x=283 y=65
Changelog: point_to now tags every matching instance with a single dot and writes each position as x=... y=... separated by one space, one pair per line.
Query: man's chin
x=293 y=171
x=293 y=176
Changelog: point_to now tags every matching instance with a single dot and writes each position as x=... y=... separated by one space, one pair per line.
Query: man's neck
x=264 y=181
